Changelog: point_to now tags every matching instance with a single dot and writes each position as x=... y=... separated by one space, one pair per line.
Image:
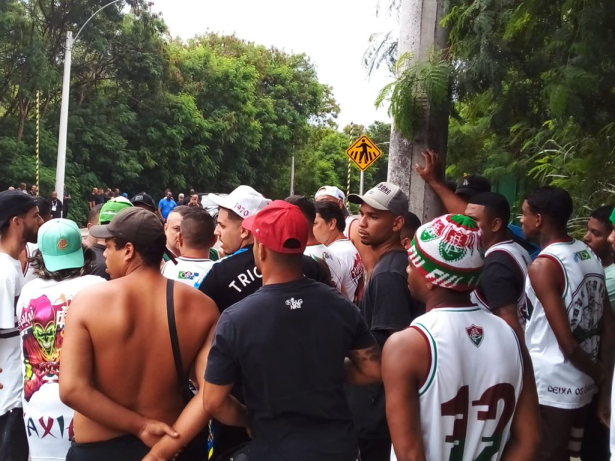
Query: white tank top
x=470 y=394
x=349 y=220
x=560 y=384
x=523 y=260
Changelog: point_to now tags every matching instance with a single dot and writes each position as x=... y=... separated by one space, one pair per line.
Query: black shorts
x=562 y=433
x=124 y=448
x=13 y=439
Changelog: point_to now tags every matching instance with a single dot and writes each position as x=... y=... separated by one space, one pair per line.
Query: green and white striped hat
x=447 y=251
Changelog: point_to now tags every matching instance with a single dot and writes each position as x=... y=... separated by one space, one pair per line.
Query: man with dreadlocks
x=62 y=267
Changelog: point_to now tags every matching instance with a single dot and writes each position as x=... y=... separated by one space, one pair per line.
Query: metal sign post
x=292 y=176
x=361 y=186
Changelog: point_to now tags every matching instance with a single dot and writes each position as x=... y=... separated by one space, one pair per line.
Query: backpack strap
x=182 y=378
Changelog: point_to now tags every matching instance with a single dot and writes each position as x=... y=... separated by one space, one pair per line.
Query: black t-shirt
x=56 y=208
x=100 y=263
x=287 y=343
x=92 y=198
x=501 y=282
x=66 y=206
x=236 y=276
x=387 y=307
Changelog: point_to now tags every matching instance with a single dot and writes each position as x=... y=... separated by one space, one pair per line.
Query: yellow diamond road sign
x=364 y=153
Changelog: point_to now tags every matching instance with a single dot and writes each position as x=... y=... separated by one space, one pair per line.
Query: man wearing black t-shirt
x=56 y=206
x=501 y=288
x=236 y=277
x=386 y=306
x=92 y=200
x=293 y=364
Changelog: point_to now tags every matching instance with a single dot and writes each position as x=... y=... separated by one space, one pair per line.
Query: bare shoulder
x=94 y=297
x=543 y=270
x=406 y=340
x=407 y=343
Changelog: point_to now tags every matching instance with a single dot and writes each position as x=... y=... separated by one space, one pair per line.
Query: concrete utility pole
x=61 y=162
x=420 y=34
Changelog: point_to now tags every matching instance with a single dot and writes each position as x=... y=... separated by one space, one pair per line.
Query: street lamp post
x=61 y=165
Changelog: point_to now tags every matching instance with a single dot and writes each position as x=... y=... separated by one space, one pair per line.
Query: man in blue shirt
x=166 y=205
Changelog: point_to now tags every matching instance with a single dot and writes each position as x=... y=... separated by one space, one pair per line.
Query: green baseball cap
x=60 y=243
x=113 y=207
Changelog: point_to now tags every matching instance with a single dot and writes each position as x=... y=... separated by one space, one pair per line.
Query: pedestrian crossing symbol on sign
x=363 y=153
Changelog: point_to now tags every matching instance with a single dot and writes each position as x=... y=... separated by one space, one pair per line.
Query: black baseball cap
x=132 y=225
x=473 y=184
x=145 y=200
x=13 y=203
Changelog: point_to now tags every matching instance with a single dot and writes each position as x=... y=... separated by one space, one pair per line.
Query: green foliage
x=323 y=160
x=533 y=94
x=148 y=112
x=416 y=84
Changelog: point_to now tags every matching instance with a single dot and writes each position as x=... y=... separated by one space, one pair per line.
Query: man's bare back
x=118 y=336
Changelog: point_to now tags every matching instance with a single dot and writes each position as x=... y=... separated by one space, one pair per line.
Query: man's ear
x=245 y=234
x=129 y=252
x=180 y=239
x=398 y=224
x=497 y=224
x=430 y=286
x=263 y=252
x=16 y=221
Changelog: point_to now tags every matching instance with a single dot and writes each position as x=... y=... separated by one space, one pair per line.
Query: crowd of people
x=59 y=208
x=291 y=330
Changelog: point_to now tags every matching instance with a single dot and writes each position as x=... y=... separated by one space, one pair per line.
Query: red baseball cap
x=279 y=226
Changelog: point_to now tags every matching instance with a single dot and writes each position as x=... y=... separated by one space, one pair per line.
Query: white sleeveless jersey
x=349 y=220
x=560 y=384
x=474 y=381
x=523 y=260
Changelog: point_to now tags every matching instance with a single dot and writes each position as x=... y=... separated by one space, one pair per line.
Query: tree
x=533 y=94
x=148 y=112
x=323 y=161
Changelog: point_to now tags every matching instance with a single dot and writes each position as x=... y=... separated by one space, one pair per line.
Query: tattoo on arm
x=371 y=354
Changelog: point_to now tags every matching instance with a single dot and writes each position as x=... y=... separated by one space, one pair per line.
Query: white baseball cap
x=331 y=191
x=244 y=201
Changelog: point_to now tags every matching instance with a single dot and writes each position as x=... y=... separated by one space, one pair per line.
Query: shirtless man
x=118 y=367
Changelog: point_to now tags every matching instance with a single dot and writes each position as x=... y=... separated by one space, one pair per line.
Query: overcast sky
x=333 y=33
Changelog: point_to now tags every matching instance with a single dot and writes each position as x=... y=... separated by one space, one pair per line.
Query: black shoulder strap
x=177 y=356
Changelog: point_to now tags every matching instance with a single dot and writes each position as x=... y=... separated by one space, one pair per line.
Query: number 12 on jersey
x=459 y=408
